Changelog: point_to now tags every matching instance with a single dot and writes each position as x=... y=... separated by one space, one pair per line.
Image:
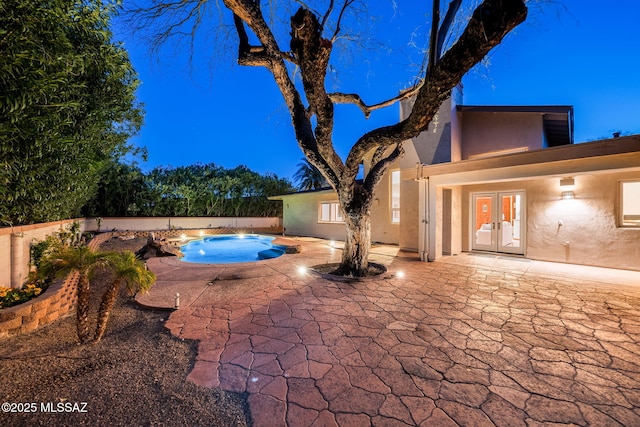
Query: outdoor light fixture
x=568 y=195
x=567 y=182
x=177 y=301
x=400 y=274
x=183 y=237
x=302 y=270
x=332 y=244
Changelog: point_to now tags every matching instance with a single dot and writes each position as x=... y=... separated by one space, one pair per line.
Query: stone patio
x=467 y=341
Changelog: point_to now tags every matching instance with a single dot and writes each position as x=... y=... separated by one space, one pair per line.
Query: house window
x=395 y=197
x=630 y=209
x=330 y=212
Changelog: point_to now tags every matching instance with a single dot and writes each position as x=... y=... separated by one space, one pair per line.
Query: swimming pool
x=231 y=249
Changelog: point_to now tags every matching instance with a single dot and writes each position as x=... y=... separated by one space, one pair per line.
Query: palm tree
x=129 y=270
x=309 y=177
x=64 y=260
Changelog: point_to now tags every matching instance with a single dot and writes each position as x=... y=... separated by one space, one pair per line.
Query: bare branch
x=243 y=39
x=174 y=16
x=490 y=23
x=377 y=155
x=379 y=168
x=354 y=98
x=346 y=4
x=433 y=38
x=327 y=14
x=446 y=25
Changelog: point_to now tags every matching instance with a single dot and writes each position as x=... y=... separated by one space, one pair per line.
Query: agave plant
x=127 y=270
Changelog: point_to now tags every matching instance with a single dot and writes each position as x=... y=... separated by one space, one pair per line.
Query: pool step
x=270 y=253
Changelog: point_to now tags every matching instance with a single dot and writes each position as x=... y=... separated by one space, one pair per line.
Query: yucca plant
x=127 y=270
x=65 y=259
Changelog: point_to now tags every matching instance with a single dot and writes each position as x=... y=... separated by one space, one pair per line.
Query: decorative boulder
x=156 y=248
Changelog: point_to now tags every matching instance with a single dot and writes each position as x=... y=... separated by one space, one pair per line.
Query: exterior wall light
x=568 y=195
x=567 y=182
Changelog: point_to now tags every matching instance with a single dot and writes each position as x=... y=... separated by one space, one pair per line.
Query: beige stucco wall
x=300 y=216
x=165 y=223
x=589 y=234
x=450 y=220
x=410 y=216
x=485 y=132
x=382 y=230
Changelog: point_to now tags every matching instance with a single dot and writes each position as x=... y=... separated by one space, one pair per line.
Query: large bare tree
x=300 y=72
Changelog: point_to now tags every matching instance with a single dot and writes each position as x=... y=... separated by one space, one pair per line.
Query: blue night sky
x=568 y=52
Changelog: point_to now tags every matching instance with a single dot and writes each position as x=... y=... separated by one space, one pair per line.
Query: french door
x=497 y=222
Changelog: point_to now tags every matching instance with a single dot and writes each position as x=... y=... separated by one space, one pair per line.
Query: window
x=330 y=212
x=630 y=195
x=395 y=197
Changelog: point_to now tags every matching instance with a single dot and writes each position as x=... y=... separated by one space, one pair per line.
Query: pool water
x=230 y=249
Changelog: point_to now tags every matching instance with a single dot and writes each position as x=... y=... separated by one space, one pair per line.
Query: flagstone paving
x=445 y=345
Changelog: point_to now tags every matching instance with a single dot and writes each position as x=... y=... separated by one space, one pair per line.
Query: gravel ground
x=136 y=376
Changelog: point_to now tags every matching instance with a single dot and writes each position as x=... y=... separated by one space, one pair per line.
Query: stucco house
x=503 y=179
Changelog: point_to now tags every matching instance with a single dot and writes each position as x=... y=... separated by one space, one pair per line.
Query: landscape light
x=400 y=274
x=302 y=270
x=567 y=182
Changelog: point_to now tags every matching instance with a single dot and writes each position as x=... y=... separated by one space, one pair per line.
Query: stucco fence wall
x=247 y=224
x=15 y=245
x=59 y=300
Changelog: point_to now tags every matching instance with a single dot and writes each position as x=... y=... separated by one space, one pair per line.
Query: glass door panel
x=510 y=223
x=484 y=230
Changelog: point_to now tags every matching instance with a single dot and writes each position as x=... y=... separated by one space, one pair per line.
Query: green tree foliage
x=121 y=187
x=67 y=105
x=195 y=190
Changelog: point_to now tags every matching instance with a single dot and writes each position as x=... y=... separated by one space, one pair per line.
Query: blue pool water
x=230 y=249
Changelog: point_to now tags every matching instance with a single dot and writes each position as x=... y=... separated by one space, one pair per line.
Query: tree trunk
x=82 y=309
x=108 y=300
x=355 y=256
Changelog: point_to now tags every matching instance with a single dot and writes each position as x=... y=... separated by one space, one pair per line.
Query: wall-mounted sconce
x=568 y=195
x=567 y=182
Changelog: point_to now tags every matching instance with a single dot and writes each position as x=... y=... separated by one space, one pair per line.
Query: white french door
x=497 y=222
